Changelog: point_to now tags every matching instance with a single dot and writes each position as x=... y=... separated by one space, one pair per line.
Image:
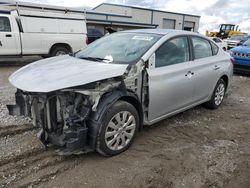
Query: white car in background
x=234 y=40
x=220 y=42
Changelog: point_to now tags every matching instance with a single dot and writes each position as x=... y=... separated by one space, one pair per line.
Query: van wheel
x=59 y=50
x=118 y=129
x=218 y=95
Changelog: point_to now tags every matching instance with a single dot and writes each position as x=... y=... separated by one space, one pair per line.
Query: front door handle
x=216 y=67
x=8 y=35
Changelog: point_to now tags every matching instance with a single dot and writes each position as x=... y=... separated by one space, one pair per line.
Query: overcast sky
x=212 y=12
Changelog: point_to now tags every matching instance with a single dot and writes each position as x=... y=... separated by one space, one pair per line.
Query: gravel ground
x=197 y=148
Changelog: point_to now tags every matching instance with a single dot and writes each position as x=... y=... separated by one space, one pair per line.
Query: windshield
x=237 y=37
x=247 y=43
x=119 y=48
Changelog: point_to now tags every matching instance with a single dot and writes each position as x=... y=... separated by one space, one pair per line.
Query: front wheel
x=118 y=129
x=218 y=95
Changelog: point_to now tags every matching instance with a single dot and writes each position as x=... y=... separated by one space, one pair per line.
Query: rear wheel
x=118 y=129
x=59 y=50
x=218 y=95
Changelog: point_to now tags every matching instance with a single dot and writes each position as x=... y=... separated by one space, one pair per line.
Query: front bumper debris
x=60 y=117
x=21 y=107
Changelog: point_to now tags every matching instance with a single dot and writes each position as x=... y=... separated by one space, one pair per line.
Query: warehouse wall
x=196 y=20
x=148 y=16
x=114 y=9
x=159 y=16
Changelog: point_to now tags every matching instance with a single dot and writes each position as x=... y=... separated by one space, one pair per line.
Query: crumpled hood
x=62 y=72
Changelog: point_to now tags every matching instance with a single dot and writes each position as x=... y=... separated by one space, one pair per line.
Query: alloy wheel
x=120 y=130
x=219 y=94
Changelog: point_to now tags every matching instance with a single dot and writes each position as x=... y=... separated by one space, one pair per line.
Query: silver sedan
x=100 y=97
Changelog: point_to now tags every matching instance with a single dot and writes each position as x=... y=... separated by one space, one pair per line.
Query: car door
x=170 y=80
x=206 y=67
x=7 y=39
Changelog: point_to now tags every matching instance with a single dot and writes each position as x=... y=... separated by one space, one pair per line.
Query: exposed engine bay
x=64 y=117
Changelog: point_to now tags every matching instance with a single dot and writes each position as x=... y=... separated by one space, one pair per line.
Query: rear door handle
x=216 y=67
x=189 y=74
x=8 y=35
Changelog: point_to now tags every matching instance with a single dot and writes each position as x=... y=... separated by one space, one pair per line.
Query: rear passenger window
x=4 y=24
x=202 y=48
x=216 y=40
x=172 y=52
x=215 y=48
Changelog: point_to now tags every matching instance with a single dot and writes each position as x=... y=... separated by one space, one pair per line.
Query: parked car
x=243 y=40
x=219 y=42
x=241 y=58
x=36 y=32
x=234 y=40
x=94 y=34
x=99 y=98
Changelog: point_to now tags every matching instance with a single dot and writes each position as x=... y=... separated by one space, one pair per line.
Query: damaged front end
x=63 y=115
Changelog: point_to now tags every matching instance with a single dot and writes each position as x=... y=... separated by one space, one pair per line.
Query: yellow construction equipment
x=226 y=31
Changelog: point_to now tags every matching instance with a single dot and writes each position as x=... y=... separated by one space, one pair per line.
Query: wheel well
x=137 y=106
x=225 y=78
x=60 y=45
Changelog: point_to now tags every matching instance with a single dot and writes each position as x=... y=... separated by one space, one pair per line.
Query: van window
x=172 y=52
x=4 y=24
x=202 y=48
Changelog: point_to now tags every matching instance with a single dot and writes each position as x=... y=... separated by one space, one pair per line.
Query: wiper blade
x=93 y=58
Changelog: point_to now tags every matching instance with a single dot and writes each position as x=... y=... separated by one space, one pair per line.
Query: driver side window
x=172 y=52
x=4 y=24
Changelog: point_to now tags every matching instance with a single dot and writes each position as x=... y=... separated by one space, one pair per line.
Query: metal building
x=122 y=17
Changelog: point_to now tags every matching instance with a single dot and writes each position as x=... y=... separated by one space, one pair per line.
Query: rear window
x=94 y=32
x=216 y=40
x=215 y=48
x=202 y=48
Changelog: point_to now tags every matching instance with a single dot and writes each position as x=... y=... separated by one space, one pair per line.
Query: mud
x=197 y=148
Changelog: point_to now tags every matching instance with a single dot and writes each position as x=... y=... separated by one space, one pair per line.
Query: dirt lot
x=197 y=148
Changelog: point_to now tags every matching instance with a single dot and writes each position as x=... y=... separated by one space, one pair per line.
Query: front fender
x=95 y=120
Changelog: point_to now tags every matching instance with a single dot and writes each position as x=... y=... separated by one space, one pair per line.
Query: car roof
x=159 y=31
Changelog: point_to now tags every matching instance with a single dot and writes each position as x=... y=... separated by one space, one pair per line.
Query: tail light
x=87 y=40
x=232 y=60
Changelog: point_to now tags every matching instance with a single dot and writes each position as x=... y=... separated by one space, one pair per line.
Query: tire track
x=35 y=162
x=40 y=170
x=49 y=173
x=15 y=129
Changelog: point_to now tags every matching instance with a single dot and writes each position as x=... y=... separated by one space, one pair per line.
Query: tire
x=218 y=95
x=112 y=138
x=59 y=50
x=44 y=56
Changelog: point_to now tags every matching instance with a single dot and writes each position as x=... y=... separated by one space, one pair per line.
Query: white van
x=27 y=31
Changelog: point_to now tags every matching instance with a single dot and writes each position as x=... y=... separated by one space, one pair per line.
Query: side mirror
x=151 y=61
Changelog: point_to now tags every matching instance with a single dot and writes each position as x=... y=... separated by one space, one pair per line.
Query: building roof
x=160 y=31
x=143 y=8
